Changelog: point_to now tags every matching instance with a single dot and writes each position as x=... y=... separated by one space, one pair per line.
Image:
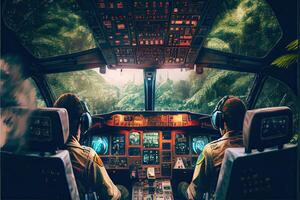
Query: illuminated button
x=178 y=22
x=121 y=26
x=194 y=23
x=120 y=5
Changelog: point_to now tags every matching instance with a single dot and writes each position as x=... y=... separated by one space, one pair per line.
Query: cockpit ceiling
x=142 y=33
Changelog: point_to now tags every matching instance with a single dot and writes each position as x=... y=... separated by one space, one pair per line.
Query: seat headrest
x=267 y=127
x=48 y=129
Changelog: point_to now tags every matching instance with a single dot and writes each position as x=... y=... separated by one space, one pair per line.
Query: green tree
x=246 y=27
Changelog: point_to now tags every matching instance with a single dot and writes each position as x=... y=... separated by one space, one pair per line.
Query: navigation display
x=134 y=138
x=198 y=144
x=150 y=157
x=100 y=144
x=151 y=140
x=118 y=145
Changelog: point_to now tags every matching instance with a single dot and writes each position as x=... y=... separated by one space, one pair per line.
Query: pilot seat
x=40 y=170
x=266 y=168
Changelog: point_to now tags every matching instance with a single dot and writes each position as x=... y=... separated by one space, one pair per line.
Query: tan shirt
x=90 y=172
x=209 y=163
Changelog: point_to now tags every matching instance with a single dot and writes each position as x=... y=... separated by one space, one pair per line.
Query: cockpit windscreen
x=100 y=144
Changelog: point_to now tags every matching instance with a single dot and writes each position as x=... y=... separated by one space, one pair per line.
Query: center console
x=160 y=189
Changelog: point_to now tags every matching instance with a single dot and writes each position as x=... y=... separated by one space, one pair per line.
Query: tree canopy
x=244 y=27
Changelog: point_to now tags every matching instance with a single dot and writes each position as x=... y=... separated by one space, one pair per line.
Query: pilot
x=228 y=117
x=91 y=176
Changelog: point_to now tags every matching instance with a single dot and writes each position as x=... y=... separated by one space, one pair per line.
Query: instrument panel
x=132 y=140
x=139 y=149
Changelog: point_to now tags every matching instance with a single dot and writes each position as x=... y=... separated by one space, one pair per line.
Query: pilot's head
x=231 y=111
x=72 y=104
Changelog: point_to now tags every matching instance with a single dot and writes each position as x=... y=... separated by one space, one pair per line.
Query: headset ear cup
x=217 y=120
x=220 y=120
x=217 y=117
x=85 y=122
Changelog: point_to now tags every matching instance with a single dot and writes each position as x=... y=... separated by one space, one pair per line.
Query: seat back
x=37 y=177
x=40 y=171
x=268 y=174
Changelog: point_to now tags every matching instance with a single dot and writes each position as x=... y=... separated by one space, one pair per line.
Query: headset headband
x=221 y=103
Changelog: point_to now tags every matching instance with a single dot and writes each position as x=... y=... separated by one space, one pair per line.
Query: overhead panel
x=163 y=33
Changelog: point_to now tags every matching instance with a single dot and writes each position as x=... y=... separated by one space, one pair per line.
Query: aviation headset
x=85 y=118
x=217 y=116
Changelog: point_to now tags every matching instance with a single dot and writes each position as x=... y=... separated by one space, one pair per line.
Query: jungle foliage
x=49 y=28
x=290 y=58
x=100 y=95
x=199 y=93
x=244 y=27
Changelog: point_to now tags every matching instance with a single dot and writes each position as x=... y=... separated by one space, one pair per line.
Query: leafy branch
x=289 y=59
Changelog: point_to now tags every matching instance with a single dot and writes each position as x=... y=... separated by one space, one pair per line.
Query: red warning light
x=194 y=23
x=121 y=26
x=178 y=22
x=120 y=5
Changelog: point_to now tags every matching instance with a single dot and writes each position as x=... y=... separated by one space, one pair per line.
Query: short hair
x=72 y=104
x=234 y=111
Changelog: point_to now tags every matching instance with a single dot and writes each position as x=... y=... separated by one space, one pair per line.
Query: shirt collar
x=229 y=134
x=72 y=141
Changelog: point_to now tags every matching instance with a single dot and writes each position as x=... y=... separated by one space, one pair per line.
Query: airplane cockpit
x=151 y=75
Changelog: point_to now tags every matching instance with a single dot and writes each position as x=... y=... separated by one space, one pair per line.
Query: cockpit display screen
x=118 y=145
x=134 y=138
x=181 y=144
x=100 y=144
x=151 y=140
x=198 y=144
x=150 y=157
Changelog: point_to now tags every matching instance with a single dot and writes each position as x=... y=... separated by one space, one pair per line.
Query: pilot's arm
x=101 y=181
x=200 y=182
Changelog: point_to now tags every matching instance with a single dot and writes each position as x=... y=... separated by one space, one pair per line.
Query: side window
x=276 y=93
x=40 y=102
